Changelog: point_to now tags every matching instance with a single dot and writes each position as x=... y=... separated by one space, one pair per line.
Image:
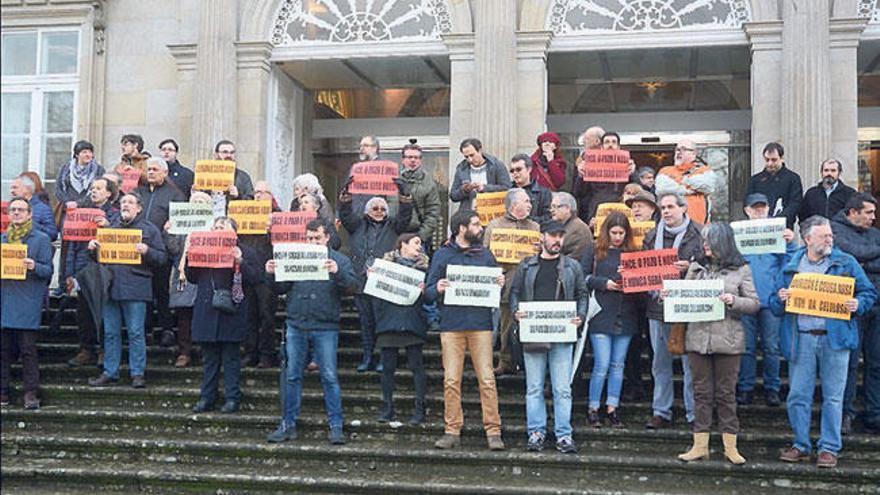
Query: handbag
x=181 y=293
x=221 y=300
x=675 y=342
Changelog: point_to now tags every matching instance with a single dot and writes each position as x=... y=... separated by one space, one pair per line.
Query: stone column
x=845 y=35
x=185 y=56
x=253 y=97
x=765 y=39
x=806 y=88
x=531 y=95
x=462 y=101
x=215 y=105
x=495 y=119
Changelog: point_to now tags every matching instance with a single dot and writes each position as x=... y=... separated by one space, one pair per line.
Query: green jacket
x=425 y=193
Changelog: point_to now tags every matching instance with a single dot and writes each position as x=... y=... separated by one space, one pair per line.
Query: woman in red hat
x=549 y=165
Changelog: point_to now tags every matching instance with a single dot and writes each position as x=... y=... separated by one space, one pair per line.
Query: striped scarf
x=16 y=233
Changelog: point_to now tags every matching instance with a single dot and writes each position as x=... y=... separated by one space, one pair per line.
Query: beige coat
x=726 y=336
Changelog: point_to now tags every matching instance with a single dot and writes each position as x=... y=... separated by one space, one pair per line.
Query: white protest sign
x=186 y=218
x=759 y=236
x=548 y=321
x=394 y=283
x=473 y=286
x=300 y=262
x=693 y=300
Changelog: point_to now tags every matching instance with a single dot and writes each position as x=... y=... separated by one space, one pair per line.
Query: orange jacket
x=686 y=175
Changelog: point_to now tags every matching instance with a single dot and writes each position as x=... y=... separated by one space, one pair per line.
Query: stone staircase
x=121 y=440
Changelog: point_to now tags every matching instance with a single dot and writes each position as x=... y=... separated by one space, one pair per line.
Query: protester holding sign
x=404 y=326
x=804 y=339
x=590 y=192
x=219 y=324
x=478 y=172
x=617 y=321
x=130 y=291
x=308 y=184
x=132 y=166
x=464 y=328
x=714 y=347
x=21 y=310
x=309 y=206
x=549 y=276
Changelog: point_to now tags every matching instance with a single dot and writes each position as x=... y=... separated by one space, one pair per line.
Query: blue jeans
x=833 y=367
x=869 y=343
x=661 y=368
x=609 y=351
x=559 y=360
x=134 y=313
x=324 y=345
x=766 y=325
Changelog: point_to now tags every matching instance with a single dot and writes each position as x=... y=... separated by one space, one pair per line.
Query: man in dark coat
x=41 y=214
x=781 y=186
x=181 y=176
x=828 y=196
x=521 y=174
x=478 y=172
x=242 y=186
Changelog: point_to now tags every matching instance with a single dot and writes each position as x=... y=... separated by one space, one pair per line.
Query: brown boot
x=700 y=449
x=730 y=451
x=448 y=441
x=84 y=357
x=494 y=442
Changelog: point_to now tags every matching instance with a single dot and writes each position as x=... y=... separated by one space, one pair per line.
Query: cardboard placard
x=606 y=166
x=820 y=295
x=212 y=249
x=214 y=175
x=490 y=206
x=759 y=236
x=4 y=216
x=394 y=283
x=472 y=286
x=640 y=229
x=548 y=321
x=693 y=300
x=290 y=226
x=186 y=218
x=643 y=271
x=80 y=224
x=513 y=245
x=605 y=209
x=252 y=216
x=12 y=259
x=131 y=178
x=117 y=246
x=374 y=178
x=300 y=262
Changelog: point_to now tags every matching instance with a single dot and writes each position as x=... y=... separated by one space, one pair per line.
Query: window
x=40 y=77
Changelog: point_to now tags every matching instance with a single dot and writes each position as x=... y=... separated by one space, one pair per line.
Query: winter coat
x=540 y=197
x=182 y=177
x=64 y=191
x=570 y=284
x=765 y=268
x=816 y=202
x=620 y=312
x=261 y=245
x=21 y=299
x=315 y=304
x=156 y=200
x=549 y=174
x=507 y=222
x=209 y=324
x=861 y=244
x=78 y=251
x=783 y=189
x=369 y=239
x=425 y=193
x=590 y=195
x=691 y=249
x=726 y=336
x=842 y=334
x=394 y=318
x=696 y=182
x=458 y=318
x=135 y=282
x=577 y=236
x=43 y=219
x=497 y=179
x=94 y=286
x=244 y=184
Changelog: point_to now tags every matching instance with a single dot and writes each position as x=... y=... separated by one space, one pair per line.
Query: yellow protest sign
x=605 y=209
x=252 y=216
x=490 y=206
x=513 y=245
x=639 y=229
x=117 y=246
x=820 y=295
x=214 y=175
x=13 y=256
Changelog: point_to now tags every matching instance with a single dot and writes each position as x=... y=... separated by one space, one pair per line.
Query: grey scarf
x=82 y=176
x=677 y=231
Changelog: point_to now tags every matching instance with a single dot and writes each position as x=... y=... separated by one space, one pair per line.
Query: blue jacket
x=43 y=218
x=315 y=304
x=22 y=299
x=841 y=334
x=135 y=282
x=78 y=251
x=453 y=318
x=765 y=268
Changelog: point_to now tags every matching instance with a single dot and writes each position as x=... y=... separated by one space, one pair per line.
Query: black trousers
x=261 y=340
x=26 y=340
x=227 y=355
x=86 y=330
x=415 y=364
x=163 y=317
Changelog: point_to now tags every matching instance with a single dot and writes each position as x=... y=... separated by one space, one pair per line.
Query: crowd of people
x=230 y=312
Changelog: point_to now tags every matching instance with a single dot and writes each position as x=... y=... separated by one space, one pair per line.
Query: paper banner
x=290 y=226
x=80 y=224
x=820 y=295
x=252 y=216
x=639 y=229
x=131 y=177
x=605 y=209
x=4 y=216
x=606 y=166
x=374 y=178
x=472 y=286
x=394 y=283
x=117 y=246
x=212 y=249
x=214 y=175
x=12 y=259
x=693 y=300
x=759 y=236
x=548 y=321
x=490 y=206
x=513 y=245
x=300 y=262
x=643 y=271
x=186 y=218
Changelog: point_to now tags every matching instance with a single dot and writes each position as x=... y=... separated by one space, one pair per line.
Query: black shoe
x=336 y=437
x=772 y=399
x=613 y=419
x=846 y=426
x=168 y=339
x=366 y=364
x=104 y=380
x=138 y=381
x=386 y=414
x=593 y=418
x=203 y=406
x=282 y=434
x=230 y=407
x=418 y=415
x=743 y=398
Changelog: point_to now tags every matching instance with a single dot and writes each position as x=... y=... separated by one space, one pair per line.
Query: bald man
x=690 y=178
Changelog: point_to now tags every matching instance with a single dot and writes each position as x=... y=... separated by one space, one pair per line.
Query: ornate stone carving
x=870 y=9
x=578 y=16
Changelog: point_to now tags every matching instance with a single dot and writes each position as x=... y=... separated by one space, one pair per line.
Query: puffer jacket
x=726 y=336
x=507 y=222
x=570 y=284
x=394 y=318
x=425 y=193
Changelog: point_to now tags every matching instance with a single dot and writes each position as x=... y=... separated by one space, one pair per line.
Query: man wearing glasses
x=425 y=193
x=521 y=176
x=563 y=209
x=181 y=176
x=242 y=186
x=692 y=179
